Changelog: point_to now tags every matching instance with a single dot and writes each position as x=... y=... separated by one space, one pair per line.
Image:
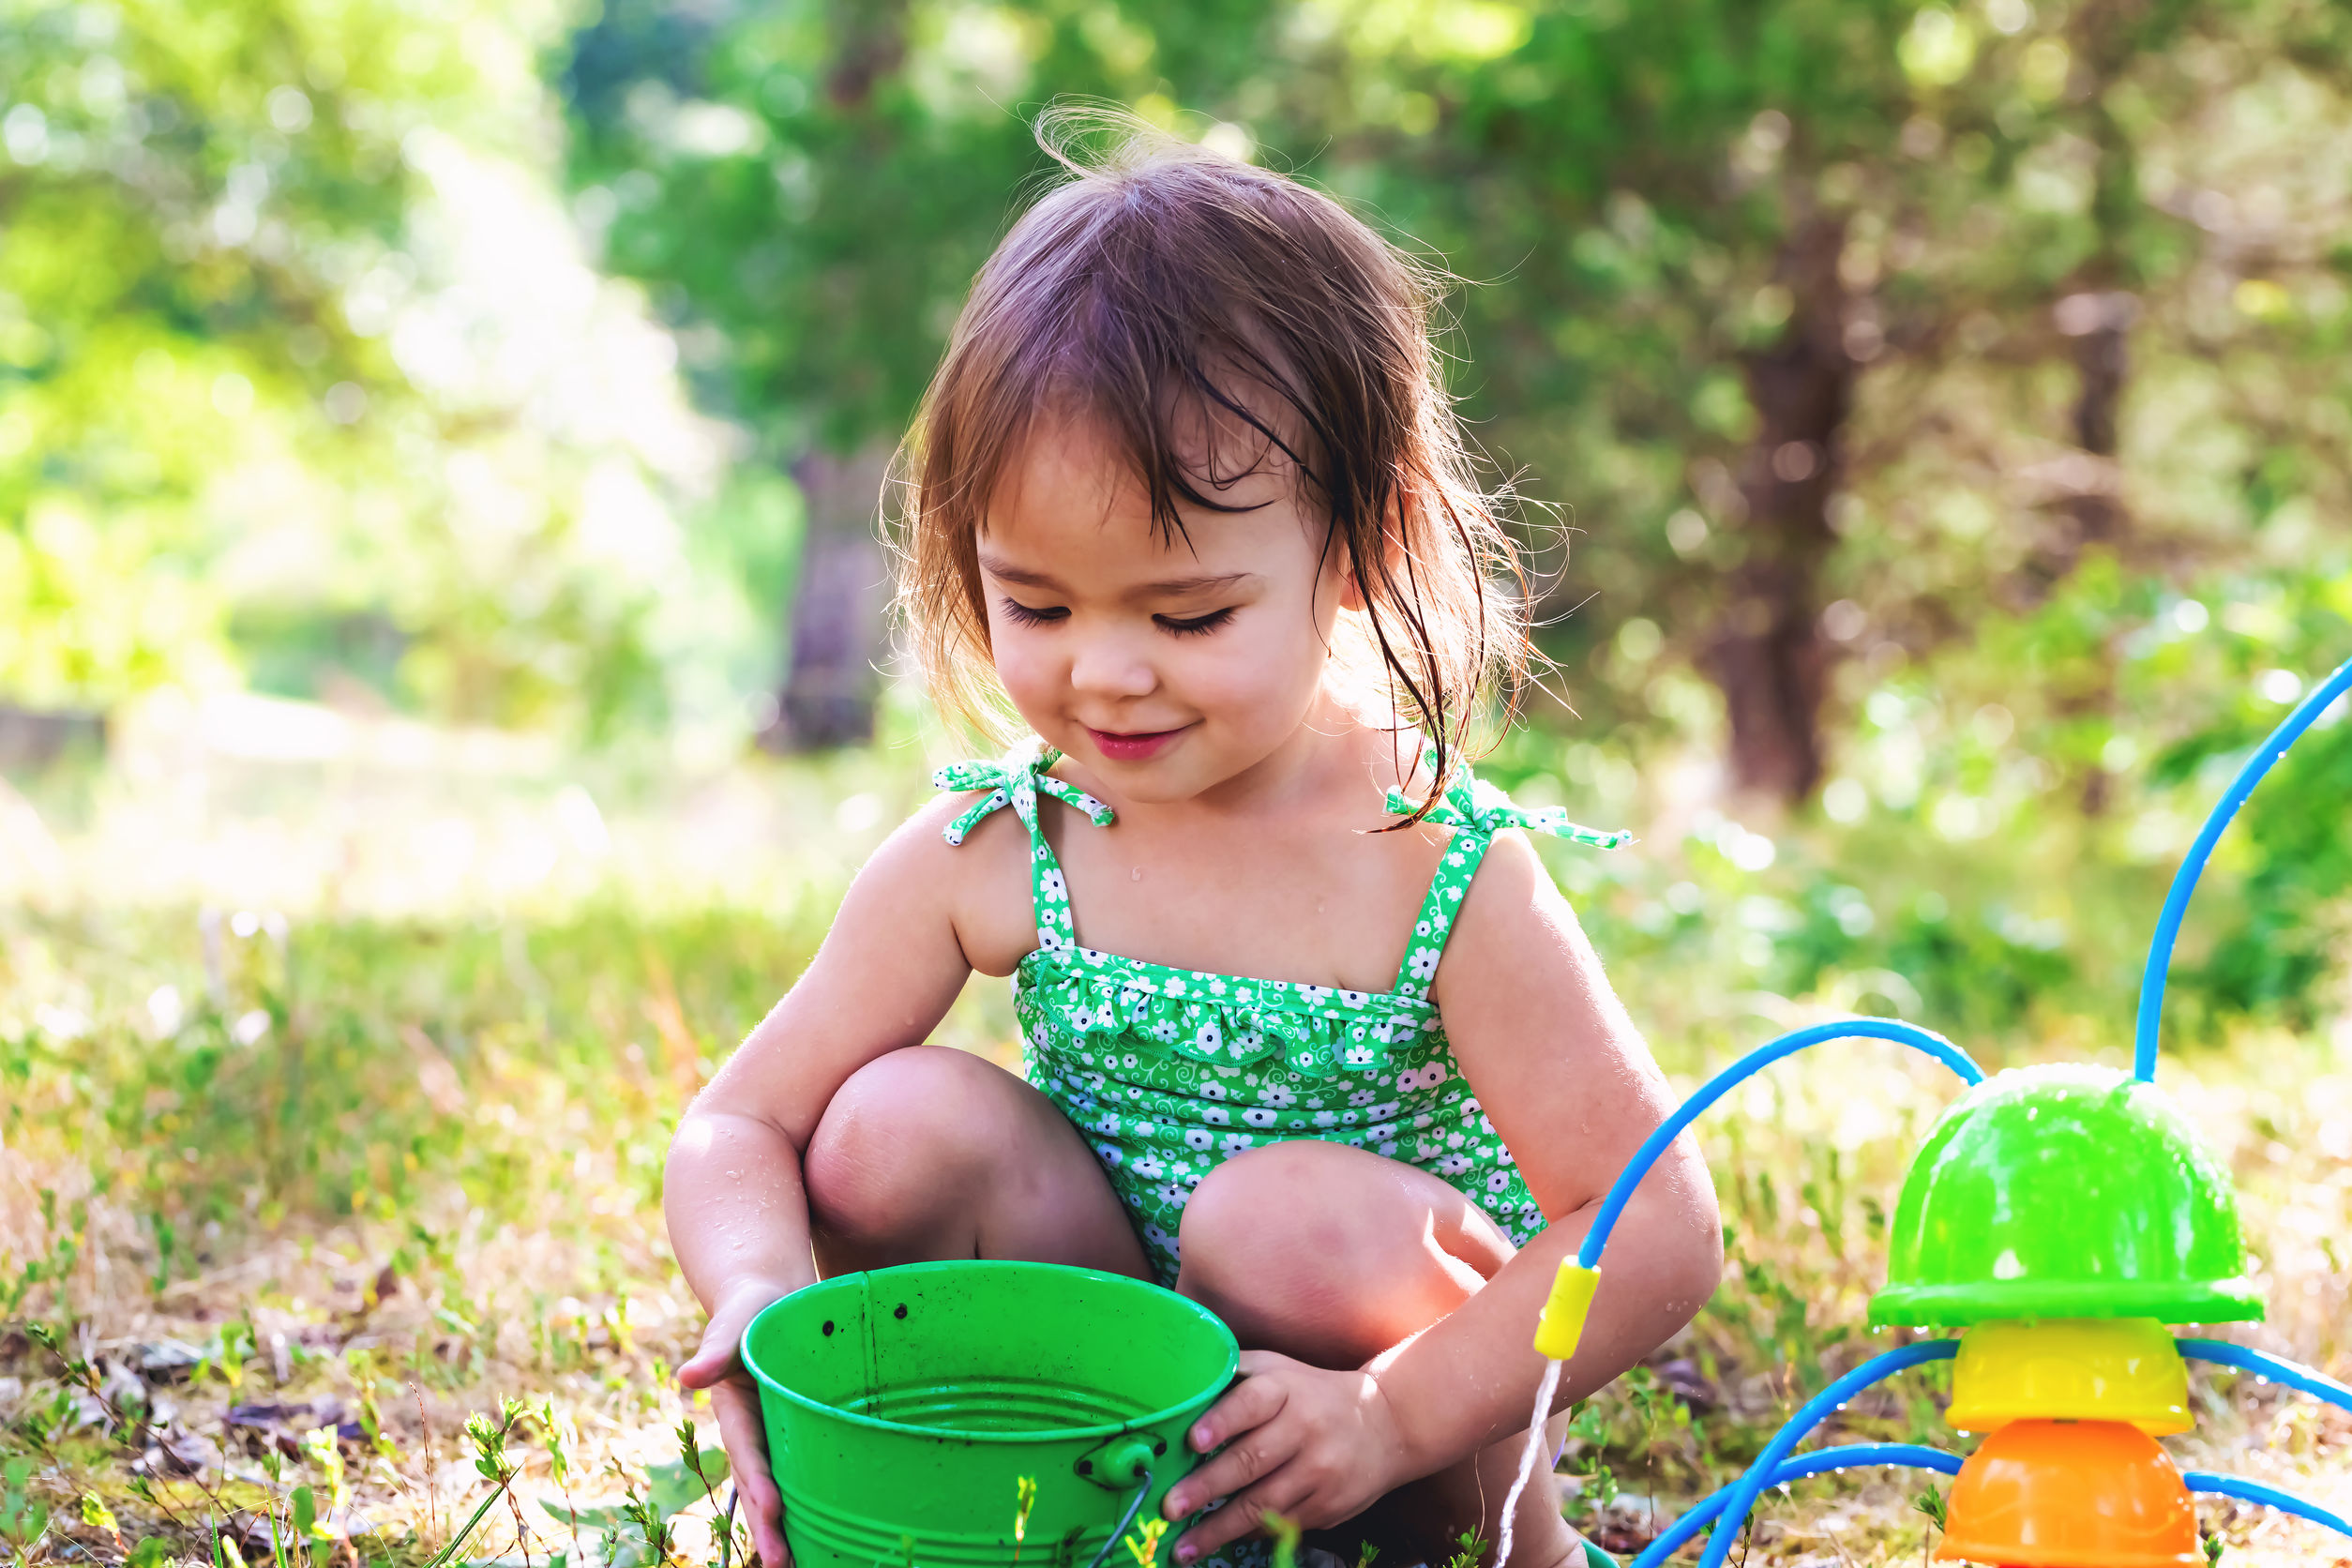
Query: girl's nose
x=1113 y=667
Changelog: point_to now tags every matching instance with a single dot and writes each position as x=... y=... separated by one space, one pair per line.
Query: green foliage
x=258 y=415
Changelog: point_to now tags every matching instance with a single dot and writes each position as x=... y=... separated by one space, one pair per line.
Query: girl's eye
x=1021 y=614
x=1199 y=626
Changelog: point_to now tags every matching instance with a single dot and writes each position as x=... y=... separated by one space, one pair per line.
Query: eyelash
x=1022 y=615
x=1199 y=626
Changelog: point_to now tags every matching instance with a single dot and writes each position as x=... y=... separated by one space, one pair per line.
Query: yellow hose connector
x=1561 y=1324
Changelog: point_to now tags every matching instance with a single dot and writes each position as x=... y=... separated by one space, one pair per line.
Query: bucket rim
x=1184 y=1409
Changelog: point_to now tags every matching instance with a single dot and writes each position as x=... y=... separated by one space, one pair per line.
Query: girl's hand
x=735 y=1401
x=1315 y=1446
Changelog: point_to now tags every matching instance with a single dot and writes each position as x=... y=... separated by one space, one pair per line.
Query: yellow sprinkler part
x=2125 y=1369
x=1561 y=1325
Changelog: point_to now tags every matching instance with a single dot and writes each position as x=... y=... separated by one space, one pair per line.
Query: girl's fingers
x=740 y=1429
x=1251 y=1402
x=716 y=1357
x=1242 y=1420
x=1276 y=1494
x=712 y=1360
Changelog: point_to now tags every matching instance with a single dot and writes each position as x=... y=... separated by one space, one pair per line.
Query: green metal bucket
x=904 y=1406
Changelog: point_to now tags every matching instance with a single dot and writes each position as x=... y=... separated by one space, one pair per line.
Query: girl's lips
x=1135 y=746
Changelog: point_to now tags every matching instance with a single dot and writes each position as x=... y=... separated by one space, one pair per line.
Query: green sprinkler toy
x=2058 y=1216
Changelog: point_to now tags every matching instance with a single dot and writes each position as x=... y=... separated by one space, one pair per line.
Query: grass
x=325 y=1232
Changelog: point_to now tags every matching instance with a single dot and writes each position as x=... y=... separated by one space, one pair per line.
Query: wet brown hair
x=1165 y=288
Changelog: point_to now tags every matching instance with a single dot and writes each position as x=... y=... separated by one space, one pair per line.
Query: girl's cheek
x=1026 y=675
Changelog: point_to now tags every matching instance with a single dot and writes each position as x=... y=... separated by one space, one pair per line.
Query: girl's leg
x=929 y=1153
x=1331 y=1254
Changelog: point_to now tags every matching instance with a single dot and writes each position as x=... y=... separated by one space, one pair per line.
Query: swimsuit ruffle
x=1318 y=1030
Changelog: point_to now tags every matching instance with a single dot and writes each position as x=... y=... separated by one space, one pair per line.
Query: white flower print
x=1359 y=1056
x=1353 y=999
x=1149 y=1167
x=1455 y=1140
x=1216 y=1116
x=1325 y=1119
x=1317 y=995
x=1175 y=1195
x=1258 y=1116
x=1111 y=1153
x=1453 y=1165
x=1235 y=1142
x=1383 y=1112
x=1107 y=1122
x=1154 y=1236
x=1424 y=1150
x=1497 y=1180
x=1433 y=1074
x=1172 y=986
x=1278 y=1097
x=1502 y=1155
x=1165 y=1031
x=1198 y=1137
x=1212 y=1090
x=1363 y=1096
x=1217 y=985
x=1208 y=1037
x=1051 y=886
x=1388 y=1151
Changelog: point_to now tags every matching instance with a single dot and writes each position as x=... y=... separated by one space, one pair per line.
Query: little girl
x=1311 y=1037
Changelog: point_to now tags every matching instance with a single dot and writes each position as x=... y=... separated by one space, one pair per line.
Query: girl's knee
x=903 y=1133
x=1328 y=1253
x=1269 y=1242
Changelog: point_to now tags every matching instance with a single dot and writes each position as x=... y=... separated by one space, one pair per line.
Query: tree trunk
x=839 y=632
x=1767 y=655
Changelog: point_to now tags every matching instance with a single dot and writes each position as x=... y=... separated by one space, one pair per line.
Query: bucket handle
x=1126 y=1520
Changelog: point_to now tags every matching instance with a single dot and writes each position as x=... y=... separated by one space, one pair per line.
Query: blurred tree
x=263 y=406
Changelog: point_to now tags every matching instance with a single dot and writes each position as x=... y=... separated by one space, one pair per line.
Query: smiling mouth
x=1134 y=746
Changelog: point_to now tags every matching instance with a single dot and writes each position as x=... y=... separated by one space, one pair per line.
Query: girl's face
x=1170 y=666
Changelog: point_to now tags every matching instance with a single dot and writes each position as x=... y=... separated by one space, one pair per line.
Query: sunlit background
x=444 y=680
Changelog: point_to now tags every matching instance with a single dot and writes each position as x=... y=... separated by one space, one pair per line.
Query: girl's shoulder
x=969 y=849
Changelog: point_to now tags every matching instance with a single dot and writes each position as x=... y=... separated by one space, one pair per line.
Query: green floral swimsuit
x=1170 y=1072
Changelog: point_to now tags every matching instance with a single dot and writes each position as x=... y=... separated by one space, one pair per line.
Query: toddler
x=1310 y=1035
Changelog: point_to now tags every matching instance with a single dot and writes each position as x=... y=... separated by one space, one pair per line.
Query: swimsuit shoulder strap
x=1476 y=811
x=1017 y=780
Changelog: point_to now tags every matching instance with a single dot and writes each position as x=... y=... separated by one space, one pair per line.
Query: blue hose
x=1935 y=1045
x=2184 y=881
x=2270 y=1497
x=1744 y=1492
x=2300 y=1379
x=1680 y=1533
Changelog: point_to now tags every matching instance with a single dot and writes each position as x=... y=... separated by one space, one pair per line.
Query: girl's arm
x=1560 y=1071
x=738 y=1217
x=1563 y=1075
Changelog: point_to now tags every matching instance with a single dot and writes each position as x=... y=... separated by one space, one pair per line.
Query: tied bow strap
x=1016 y=780
x=1480 y=808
